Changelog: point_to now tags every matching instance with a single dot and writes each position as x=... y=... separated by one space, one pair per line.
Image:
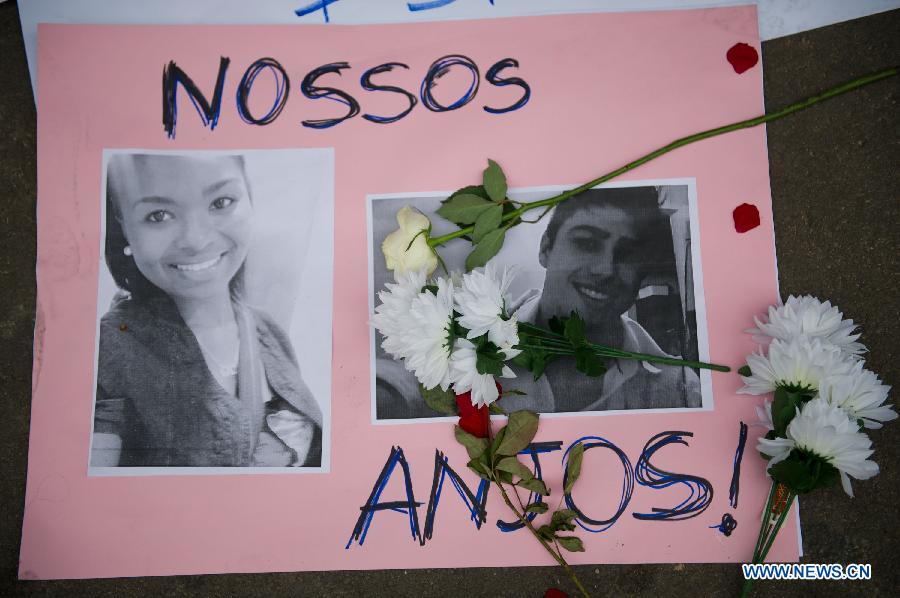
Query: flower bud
x=406 y=249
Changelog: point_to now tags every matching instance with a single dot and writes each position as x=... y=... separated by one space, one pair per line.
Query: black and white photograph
x=214 y=312
x=625 y=256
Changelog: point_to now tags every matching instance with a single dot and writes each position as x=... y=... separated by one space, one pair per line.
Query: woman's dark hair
x=122 y=267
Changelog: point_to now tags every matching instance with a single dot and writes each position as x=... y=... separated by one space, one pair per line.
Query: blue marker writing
x=313 y=7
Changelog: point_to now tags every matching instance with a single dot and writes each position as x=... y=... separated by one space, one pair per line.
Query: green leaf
x=587 y=362
x=469 y=190
x=535 y=485
x=495 y=182
x=524 y=358
x=573 y=467
x=496 y=409
x=744 y=370
x=828 y=476
x=802 y=472
x=498 y=438
x=487 y=248
x=570 y=543
x=533 y=360
x=793 y=474
x=784 y=408
x=464 y=208
x=474 y=446
x=505 y=477
x=487 y=221
x=520 y=431
x=546 y=532
x=515 y=467
x=513 y=392
x=566 y=515
x=574 y=329
x=455 y=331
x=489 y=359
x=476 y=466
x=539 y=363
x=442 y=401
x=557 y=325
x=537 y=507
x=562 y=520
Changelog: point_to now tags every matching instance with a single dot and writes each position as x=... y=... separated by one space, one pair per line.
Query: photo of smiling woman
x=190 y=372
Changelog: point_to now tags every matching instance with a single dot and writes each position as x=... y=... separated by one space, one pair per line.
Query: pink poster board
x=605 y=89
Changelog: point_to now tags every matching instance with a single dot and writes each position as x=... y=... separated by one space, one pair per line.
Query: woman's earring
x=127 y=250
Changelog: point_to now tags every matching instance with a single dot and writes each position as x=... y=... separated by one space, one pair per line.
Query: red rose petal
x=554 y=593
x=474 y=420
x=746 y=217
x=742 y=57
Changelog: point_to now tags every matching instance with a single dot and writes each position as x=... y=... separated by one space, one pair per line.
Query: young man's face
x=593 y=266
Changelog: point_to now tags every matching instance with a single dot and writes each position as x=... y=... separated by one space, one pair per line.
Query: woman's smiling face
x=187 y=220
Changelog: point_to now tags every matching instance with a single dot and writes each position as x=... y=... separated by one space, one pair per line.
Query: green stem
x=559 y=342
x=554 y=350
x=744 y=124
x=764 y=527
x=520 y=515
x=665 y=360
x=556 y=556
x=778 y=524
x=768 y=531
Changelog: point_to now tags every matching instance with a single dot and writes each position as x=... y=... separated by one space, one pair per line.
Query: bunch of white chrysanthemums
x=451 y=331
x=823 y=396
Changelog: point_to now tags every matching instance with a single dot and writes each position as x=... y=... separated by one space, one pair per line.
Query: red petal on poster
x=746 y=217
x=554 y=593
x=742 y=57
x=474 y=420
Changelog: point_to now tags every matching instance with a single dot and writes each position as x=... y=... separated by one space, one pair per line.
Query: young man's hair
x=641 y=203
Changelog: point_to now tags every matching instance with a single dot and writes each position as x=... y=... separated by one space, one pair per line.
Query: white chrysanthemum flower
x=465 y=377
x=391 y=317
x=798 y=364
x=427 y=336
x=481 y=301
x=823 y=430
x=810 y=317
x=505 y=335
x=776 y=449
x=764 y=414
x=860 y=394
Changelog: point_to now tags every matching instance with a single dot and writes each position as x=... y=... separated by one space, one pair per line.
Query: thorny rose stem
x=521 y=516
x=558 y=557
x=744 y=124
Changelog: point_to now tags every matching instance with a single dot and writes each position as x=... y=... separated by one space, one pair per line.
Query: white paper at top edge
x=776 y=17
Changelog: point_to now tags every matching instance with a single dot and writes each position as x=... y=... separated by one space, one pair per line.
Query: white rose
x=402 y=257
